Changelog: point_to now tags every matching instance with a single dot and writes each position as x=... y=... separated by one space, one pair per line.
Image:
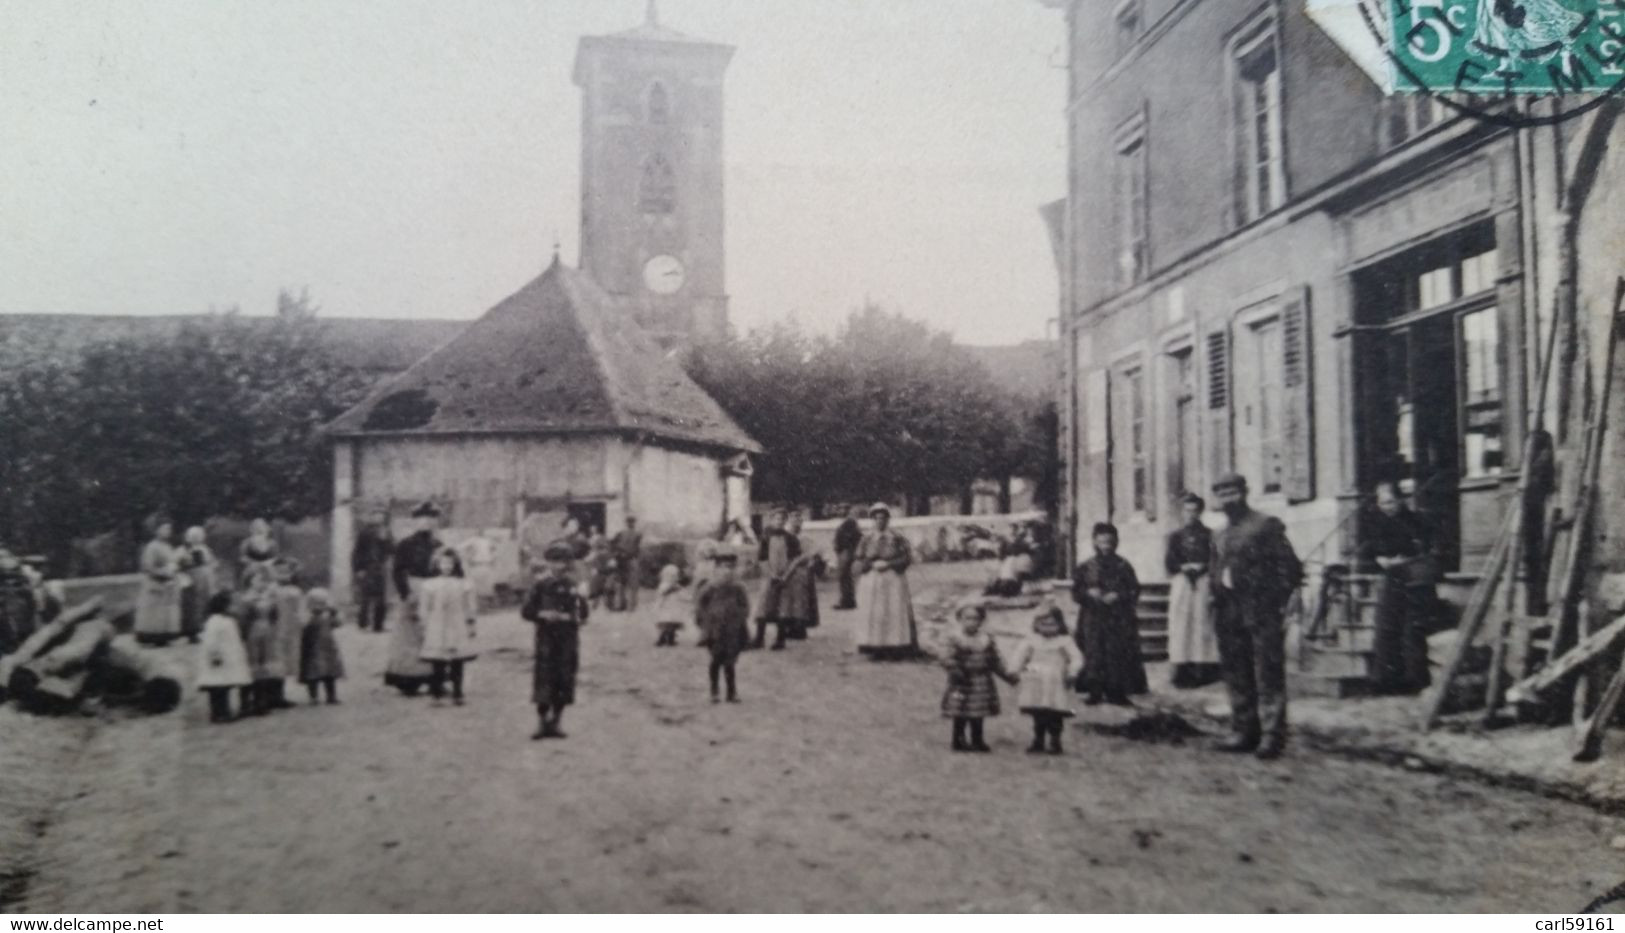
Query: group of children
x=254 y=641
x=1044 y=669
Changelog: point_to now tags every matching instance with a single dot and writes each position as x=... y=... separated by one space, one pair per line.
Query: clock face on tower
x=664 y=275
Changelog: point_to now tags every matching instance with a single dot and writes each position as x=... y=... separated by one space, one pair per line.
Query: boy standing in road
x=722 y=611
x=555 y=605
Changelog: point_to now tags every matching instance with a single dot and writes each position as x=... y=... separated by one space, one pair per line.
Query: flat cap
x=426 y=510
x=559 y=550
x=1230 y=481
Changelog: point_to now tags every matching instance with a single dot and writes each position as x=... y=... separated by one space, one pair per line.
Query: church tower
x=651 y=175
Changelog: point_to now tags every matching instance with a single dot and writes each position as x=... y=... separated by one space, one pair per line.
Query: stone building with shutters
x=1271 y=265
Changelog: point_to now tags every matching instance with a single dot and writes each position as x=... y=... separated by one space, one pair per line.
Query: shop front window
x=1481 y=394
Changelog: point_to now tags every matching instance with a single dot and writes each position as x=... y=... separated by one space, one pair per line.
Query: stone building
x=1271 y=265
x=651 y=175
x=565 y=399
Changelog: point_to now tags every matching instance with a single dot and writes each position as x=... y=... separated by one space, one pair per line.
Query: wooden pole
x=1572 y=579
x=1588 y=741
x=1537 y=420
x=1471 y=620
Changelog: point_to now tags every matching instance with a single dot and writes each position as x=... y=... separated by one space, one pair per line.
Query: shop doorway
x=1428 y=377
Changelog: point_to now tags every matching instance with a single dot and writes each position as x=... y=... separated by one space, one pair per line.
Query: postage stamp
x=1507 y=47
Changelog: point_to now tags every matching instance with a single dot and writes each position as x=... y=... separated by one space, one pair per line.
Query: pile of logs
x=79 y=655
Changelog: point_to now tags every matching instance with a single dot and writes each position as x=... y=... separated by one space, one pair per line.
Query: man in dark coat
x=369 y=564
x=847 y=538
x=627 y=549
x=1397 y=543
x=1106 y=590
x=1254 y=572
x=554 y=604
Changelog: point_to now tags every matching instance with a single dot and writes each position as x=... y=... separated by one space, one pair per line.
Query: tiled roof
x=558 y=356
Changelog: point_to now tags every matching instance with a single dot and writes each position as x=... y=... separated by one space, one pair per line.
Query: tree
x=886 y=406
x=223 y=419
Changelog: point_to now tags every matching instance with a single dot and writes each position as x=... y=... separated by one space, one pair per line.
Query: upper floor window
x=1128 y=22
x=1260 y=165
x=659 y=104
x=657 y=192
x=1129 y=182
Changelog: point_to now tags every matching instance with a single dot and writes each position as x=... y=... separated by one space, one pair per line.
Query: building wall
x=1177 y=79
x=1362 y=198
x=675 y=494
x=618 y=137
x=492 y=485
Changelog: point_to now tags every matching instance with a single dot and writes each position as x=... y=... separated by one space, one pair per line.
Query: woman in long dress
x=798 y=603
x=447 y=606
x=886 y=624
x=413 y=565
x=1106 y=590
x=1193 y=645
x=258 y=550
x=158 y=604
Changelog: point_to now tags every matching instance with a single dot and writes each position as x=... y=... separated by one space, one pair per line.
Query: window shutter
x=1218 y=405
x=1298 y=436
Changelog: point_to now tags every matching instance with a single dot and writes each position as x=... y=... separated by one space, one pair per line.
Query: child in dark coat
x=320 y=664
x=972 y=659
x=722 y=611
x=556 y=607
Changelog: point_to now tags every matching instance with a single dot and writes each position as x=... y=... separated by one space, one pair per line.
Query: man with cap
x=1254 y=574
x=847 y=538
x=627 y=549
x=886 y=629
x=558 y=610
x=369 y=563
x=414 y=563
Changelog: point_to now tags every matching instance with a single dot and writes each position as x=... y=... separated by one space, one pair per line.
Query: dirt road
x=830 y=788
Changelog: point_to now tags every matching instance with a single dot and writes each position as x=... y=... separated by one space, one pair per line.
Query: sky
x=419 y=158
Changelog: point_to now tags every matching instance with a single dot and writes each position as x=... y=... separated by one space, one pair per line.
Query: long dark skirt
x=1111 y=655
x=1404 y=617
x=558 y=657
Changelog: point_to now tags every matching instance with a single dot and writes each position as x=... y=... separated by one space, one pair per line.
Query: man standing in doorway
x=847 y=538
x=627 y=549
x=369 y=564
x=1254 y=574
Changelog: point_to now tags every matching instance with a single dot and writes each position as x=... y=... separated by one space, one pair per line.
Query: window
x=657 y=193
x=1481 y=394
x=1478 y=273
x=1260 y=399
x=659 y=109
x=1453 y=275
x=1129 y=22
x=1408 y=115
x=1186 y=445
x=1260 y=168
x=1137 y=440
x=1130 y=182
